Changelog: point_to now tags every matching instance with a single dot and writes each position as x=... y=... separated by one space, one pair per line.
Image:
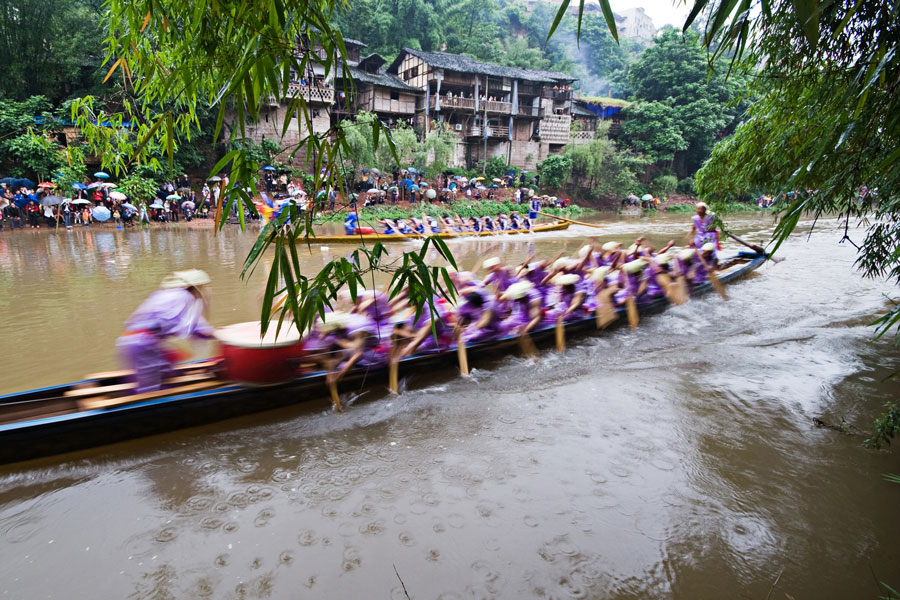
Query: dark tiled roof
x=583 y=112
x=382 y=78
x=349 y=42
x=371 y=62
x=466 y=64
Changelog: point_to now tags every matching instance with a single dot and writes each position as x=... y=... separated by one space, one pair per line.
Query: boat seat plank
x=106 y=402
x=124 y=387
x=126 y=372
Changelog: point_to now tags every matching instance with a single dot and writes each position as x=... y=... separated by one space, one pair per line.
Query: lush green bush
x=681 y=208
x=495 y=167
x=664 y=185
x=687 y=186
x=555 y=170
x=462 y=208
x=138 y=189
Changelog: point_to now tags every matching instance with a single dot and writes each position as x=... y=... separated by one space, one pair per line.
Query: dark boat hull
x=37 y=437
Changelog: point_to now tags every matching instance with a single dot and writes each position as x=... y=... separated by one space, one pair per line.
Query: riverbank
x=465 y=209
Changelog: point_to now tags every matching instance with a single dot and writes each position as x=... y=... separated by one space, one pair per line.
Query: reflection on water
x=679 y=460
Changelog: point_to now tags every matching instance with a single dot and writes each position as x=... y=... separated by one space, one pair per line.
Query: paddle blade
x=631 y=309
x=394 y=377
x=606 y=314
x=463 y=355
x=560 y=336
x=527 y=346
x=717 y=284
x=335 y=397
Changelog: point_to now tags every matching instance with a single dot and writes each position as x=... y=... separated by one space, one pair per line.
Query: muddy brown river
x=676 y=461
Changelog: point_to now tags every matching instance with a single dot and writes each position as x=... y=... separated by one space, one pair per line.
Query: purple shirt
x=704 y=233
x=174 y=312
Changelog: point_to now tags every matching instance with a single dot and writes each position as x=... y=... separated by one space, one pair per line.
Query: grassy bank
x=735 y=207
x=463 y=209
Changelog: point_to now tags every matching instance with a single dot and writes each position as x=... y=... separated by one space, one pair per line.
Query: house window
x=395 y=95
x=412 y=72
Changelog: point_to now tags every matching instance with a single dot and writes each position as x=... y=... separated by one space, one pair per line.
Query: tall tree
x=50 y=47
x=671 y=82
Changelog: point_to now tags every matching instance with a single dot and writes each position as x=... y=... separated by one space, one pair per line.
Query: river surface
x=676 y=461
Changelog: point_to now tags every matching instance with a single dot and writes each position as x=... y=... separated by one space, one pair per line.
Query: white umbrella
x=81 y=201
x=118 y=196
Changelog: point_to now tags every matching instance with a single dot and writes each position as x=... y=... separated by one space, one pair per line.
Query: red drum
x=365 y=230
x=250 y=359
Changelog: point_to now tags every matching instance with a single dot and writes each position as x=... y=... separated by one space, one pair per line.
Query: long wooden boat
x=384 y=237
x=94 y=412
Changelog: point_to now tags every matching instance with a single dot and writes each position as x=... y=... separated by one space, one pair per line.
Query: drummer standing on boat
x=703 y=230
x=177 y=309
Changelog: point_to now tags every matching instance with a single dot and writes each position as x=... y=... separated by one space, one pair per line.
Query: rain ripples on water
x=679 y=460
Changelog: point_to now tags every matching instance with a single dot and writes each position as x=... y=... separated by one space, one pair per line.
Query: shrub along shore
x=464 y=209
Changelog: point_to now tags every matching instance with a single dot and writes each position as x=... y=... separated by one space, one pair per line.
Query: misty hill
x=511 y=33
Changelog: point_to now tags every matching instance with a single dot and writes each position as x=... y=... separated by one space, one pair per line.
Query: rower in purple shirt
x=478 y=316
x=499 y=275
x=177 y=309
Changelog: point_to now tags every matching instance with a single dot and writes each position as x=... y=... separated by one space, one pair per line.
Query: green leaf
x=563 y=7
x=808 y=18
x=608 y=15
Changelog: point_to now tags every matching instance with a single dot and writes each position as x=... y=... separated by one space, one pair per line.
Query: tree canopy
x=680 y=107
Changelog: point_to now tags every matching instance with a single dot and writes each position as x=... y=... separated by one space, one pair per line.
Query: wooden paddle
x=755 y=248
x=335 y=397
x=394 y=376
x=606 y=314
x=462 y=354
x=713 y=278
x=560 y=334
x=632 y=311
x=527 y=346
x=674 y=292
x=571 y=221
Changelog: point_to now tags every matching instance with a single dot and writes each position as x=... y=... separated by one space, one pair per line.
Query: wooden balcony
x=454 y=103
x=494 y=131
x=312 y=94
x=497 y=107
x=534 y=112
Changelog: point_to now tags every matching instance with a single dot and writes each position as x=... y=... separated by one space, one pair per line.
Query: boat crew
x=703 y=229
x=351 y=224
x=515 y=221
x=176 y=310
x=533 y=207
x=566 y=300
x=403 y=226
x=526 y=307
x=478 y=316
x=449 y=224
x=390 y=228
x=488 y=224
x=418 y=225
x=433 y=224
x=474 y=225
x=528 y=223
x=499 y=275
x=431 y=329
x=707 y=256
x=503 y=222
x=631 y=281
